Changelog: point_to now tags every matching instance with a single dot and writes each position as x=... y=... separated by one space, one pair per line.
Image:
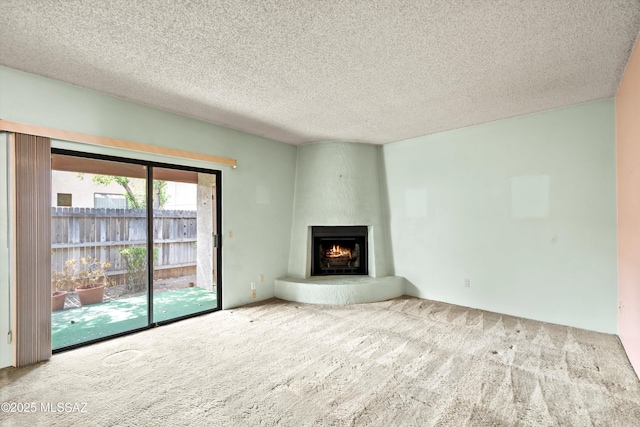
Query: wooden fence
x=101 y=233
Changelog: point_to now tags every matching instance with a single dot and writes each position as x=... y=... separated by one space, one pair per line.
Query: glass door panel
x=184 y=249
x=99 y=231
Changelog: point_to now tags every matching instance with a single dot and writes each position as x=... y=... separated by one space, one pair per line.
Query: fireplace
x=339 y=250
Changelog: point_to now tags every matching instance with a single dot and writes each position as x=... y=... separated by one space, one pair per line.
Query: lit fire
x=338 y=252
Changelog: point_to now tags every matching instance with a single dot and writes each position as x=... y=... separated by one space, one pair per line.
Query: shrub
x=135 y=262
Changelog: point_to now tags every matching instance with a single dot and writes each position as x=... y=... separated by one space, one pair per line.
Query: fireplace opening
x=339 y=250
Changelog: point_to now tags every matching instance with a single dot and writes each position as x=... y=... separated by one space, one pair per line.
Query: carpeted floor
x=404 y=362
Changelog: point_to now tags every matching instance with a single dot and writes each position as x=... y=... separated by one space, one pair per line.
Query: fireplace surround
x=340 y=250
x=338 y=184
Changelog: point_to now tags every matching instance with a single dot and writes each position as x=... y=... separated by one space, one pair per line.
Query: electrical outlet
x=230 y=233
x=253 y=293
x=253 y=286
x=261 y=278
x=467 y=283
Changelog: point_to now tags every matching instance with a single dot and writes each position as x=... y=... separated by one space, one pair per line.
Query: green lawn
x=80 y=324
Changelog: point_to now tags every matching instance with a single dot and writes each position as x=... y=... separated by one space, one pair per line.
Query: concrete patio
x=79 y=324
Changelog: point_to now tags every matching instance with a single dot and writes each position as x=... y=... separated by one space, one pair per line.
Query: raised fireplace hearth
x=340 y=250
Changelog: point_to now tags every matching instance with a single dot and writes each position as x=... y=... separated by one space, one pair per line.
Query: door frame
x=217 y=226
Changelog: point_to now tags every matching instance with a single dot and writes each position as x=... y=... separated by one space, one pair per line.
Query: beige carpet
x=396 y=363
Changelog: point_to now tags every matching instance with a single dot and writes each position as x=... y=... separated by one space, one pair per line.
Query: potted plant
x=62 y=281
x=87 y=277
x=58 y=298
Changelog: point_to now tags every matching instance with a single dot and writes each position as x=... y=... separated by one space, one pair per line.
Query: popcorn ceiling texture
x=299 y=72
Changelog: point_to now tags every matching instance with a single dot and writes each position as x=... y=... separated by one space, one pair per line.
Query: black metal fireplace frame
x=353 y=233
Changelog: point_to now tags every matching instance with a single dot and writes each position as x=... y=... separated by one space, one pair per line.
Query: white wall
x=257 y=196
x=181 y=195
x=82 y=190
x=524 y=208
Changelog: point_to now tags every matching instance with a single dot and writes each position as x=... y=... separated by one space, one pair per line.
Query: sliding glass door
x=134 y=244
x=184 y=243
x=99 y=214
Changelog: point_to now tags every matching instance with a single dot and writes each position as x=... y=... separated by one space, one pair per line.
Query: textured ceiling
x=303 y=71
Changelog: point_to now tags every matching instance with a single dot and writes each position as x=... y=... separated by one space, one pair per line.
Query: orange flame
x=336 y=251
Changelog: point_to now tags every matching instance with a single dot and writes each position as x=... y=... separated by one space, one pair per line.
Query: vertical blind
x=33 y=249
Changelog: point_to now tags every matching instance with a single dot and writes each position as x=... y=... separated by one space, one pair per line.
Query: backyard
x=122 y=311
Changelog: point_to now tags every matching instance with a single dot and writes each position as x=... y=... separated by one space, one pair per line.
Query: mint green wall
x=524 y=208
x=257 y=196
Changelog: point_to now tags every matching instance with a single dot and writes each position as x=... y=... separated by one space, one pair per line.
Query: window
x=109 y=201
